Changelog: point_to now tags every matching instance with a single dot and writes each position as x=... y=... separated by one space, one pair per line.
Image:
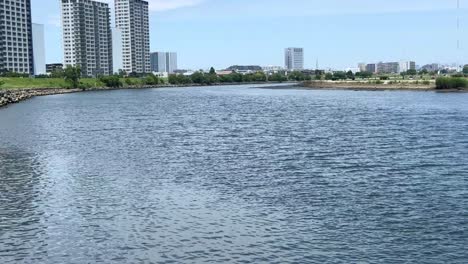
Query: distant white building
x=117 y=50
x=407 y=65
x=164 y=62
x=271 y=68
x=362 y=67
x=38 y=49
x=294 y=59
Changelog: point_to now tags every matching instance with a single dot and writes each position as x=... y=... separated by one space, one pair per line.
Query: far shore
x=366 y=86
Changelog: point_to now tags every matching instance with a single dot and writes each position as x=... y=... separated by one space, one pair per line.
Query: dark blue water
x=235 y=175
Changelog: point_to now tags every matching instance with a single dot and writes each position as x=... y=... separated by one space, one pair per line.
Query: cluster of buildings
x=387 y=67
x=88 y=39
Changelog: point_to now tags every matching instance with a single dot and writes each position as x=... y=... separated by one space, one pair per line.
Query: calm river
x=235 y=175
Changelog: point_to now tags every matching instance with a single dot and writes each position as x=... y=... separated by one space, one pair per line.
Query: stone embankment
x=18 y=95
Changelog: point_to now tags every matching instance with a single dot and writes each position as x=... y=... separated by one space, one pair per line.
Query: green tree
x=72 y=75
x=173 y=79
x=296 y=76
x=411 y=72
x=328 y=76
x=465 y=69
x=237 y=77
x=58 y=73
x=403 y=75
x=151 y=79
x=259 y=77
x=111 y=81
x=212 y=70
x=278 y=77
x=350 y=75
x=129 y=81
x=339 y=75
x=227 y=78
x=363 y=75
x=122 y=73
x=198 y=77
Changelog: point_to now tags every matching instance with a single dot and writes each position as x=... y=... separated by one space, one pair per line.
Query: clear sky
x=339 y=33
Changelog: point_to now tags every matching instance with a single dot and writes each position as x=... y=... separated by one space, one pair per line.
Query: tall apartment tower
x=87 y=36
x=294 y=58
x=16 y=45
x=132 y=18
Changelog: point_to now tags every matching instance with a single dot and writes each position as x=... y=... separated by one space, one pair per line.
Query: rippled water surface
x=235 y=175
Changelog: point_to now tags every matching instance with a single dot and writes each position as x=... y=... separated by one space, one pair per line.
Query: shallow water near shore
x=235 y=175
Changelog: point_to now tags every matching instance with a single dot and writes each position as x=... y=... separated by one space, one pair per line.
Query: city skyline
x=338 y=35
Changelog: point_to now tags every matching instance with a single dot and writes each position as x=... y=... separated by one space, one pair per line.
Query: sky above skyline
x=337 y=33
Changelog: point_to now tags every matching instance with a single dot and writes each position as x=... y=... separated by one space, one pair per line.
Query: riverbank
x=368 y=86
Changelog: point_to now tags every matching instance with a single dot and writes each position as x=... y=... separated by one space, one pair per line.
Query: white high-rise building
x=16 y=47
x=132 y=18
x=164 y=62
x=294 y=59
x=38 y=49
x=87 y=37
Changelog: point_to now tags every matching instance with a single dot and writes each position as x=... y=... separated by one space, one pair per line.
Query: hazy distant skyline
x=338 y=33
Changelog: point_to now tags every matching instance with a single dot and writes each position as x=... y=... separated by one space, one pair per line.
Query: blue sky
x=339 y=33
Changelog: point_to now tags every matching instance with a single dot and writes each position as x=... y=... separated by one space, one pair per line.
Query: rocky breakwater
x=14 y=96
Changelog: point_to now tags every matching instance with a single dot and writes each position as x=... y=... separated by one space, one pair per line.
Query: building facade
x=87 y=37
x=294 y=59
x=407 y=65
x=52 y=67
x=132 y=18
x=16 y=45
x=362 y=67
x=371 y=67
x=38 y=49
x=388 y=67
x=164 y=62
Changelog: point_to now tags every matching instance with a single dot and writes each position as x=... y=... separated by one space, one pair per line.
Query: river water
x=235 y=175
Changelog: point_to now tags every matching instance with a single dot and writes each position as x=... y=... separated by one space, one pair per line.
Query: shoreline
x=358 y=86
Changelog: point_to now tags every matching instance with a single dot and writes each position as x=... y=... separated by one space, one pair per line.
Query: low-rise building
x=245 y=69
x=52 y=67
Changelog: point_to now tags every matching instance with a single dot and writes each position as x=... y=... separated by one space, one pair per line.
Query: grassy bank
x=372 y=85
x=32 y=83
x=444 y=83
